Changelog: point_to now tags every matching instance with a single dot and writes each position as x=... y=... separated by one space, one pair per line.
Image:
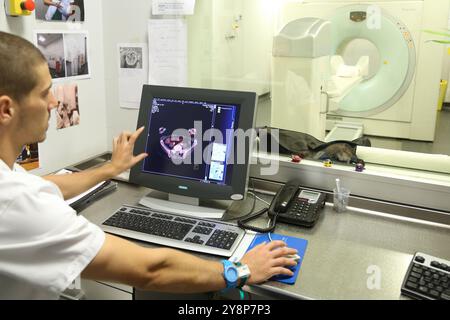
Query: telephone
x=292 y=205
x=297 y=206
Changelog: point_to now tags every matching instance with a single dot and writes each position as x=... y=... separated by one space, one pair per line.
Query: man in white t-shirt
x=44 y=245
x=63 y=6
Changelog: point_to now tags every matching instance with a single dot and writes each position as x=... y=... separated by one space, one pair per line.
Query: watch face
x=231 y=274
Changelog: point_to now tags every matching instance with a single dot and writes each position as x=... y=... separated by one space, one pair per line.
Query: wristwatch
x=243 y=273
x=232 y=273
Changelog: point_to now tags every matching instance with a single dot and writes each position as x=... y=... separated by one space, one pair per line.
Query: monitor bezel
x=191 y=188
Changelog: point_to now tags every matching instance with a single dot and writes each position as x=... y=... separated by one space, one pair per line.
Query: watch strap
x=227 y=264
x=243 y=278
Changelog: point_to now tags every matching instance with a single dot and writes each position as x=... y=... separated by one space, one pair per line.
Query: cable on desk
x=253 y=206
x=250 y=215
x=260 y=199
x=242 y=223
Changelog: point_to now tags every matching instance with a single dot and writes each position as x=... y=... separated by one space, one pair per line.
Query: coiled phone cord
x=242 y=223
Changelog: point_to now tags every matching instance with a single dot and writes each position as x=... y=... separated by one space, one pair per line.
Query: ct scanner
x=367 y=64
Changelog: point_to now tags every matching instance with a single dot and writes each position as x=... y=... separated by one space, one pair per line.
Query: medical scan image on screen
x=180 y=143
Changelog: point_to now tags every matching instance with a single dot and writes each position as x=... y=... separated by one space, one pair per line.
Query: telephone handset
x=284 y=197
x=297 y=206
x=291 y=205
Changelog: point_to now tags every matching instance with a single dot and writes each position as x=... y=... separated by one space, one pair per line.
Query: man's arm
x=51 y=3
x=74 y=184
x=167 y=270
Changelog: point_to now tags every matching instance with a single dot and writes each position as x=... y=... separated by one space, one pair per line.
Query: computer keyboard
x=173 y=230
x=427 y=278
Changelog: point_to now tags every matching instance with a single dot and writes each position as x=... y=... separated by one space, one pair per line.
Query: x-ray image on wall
x=131 y=57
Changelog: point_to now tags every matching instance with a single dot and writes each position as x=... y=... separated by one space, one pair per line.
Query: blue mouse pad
x=292 y=242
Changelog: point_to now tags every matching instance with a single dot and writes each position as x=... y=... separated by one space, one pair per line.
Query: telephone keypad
x=302 y=210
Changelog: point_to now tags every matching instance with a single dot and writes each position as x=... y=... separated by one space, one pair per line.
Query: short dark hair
x=18 y=60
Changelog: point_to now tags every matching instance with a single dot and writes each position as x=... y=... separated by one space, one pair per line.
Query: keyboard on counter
x=428 y=278
x=174 y=230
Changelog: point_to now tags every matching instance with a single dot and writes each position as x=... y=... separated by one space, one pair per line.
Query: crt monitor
x=199 y=143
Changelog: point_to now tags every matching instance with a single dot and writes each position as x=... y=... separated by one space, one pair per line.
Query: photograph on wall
x=66 y=53
x=29 y=157
x=68 y=110
x=60 y=10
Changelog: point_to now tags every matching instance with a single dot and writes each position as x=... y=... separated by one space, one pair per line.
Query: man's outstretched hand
x=122 y=155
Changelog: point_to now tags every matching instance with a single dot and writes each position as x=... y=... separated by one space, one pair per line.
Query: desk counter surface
x=358 y=254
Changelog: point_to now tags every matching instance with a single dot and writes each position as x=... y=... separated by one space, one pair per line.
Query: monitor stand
x=186 y=206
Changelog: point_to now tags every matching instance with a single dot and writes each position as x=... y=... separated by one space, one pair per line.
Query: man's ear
x=7 y=109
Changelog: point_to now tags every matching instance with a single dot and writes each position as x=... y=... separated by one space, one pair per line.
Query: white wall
x=122 y=24
x=446 y=68
x=75 y=144
x=213 y=62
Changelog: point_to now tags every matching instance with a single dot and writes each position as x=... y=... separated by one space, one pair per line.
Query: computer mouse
x=295 y=257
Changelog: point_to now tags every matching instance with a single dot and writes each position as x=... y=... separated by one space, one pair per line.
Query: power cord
x=262 y=200
x=242 y=223
x=244 y=219
x=253 y=193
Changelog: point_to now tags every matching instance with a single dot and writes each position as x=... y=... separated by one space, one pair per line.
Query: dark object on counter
x=308 y=147
x=360 y=166
x=106 y=188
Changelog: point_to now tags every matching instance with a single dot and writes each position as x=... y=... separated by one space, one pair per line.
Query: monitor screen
x=182 y=143
x=193 y=137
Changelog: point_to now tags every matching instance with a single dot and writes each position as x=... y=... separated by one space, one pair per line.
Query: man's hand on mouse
x=268 y=260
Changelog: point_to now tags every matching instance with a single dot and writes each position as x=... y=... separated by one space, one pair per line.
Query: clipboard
x=292 y=242
x=101 y=191
x=81 y=202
